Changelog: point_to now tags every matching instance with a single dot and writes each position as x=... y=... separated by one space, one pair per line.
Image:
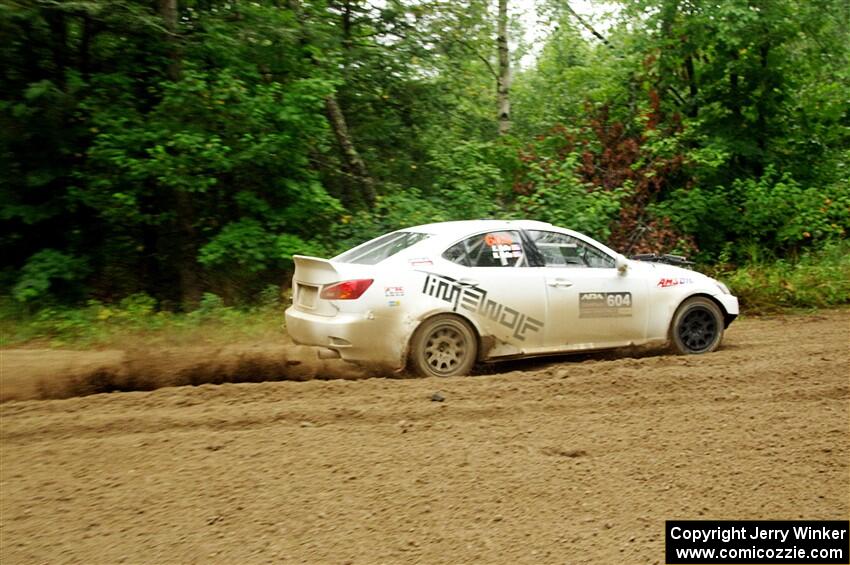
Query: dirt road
x=552 y=462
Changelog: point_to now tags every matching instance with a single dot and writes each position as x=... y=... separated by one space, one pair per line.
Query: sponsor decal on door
x=605 y=304
x=474 y=299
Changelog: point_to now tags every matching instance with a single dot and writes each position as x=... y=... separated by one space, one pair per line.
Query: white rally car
x=440 y=297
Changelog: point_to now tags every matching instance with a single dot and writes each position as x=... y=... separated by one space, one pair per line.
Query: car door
x=487 y=277
x=590 y=303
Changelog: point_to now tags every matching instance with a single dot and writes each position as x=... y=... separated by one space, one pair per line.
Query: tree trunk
x=503 y=82
x=59 y=44
x=186 y=241
x=693 y=104
x=187 y=252
x=168 y=11
x=352 y=157
x=587 y=25
x=353 y=161
x=734 y=93
x=85 y=47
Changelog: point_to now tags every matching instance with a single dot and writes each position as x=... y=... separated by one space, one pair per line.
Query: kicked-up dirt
x=30 y=374
x=566 y=461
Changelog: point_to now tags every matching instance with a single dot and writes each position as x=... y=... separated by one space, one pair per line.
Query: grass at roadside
x=136 y=321
x=819 y=279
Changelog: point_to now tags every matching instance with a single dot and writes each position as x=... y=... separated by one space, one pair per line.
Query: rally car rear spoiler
x=314 y=270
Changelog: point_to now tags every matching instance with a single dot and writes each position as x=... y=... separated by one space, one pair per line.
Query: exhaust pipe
x=325 y=353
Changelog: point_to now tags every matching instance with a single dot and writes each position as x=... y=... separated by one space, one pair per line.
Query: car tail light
x=346 y=290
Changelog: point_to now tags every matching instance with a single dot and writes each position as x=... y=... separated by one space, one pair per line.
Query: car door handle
x=470 y=282
x=559 y=283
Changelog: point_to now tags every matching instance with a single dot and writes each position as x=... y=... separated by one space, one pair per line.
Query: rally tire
x=443 y=346
x=697 y=327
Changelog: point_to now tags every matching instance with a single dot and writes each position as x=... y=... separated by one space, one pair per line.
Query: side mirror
x=622 y=264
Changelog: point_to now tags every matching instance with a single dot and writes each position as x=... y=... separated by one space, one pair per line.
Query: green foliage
x=778 y=212
x=557 y=195
x=249 y=245
x=708 y=215
x=138 y=320
x=210 y=303
x=270 y=296
x=773 y=214
x=817 y=279
x=137 y=306
x=399 y=209
x=138 y=162
x=43 y=270
x=468 y=177
x=207 y=134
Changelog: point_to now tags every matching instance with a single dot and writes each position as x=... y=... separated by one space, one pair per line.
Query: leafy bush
x=817 y=279
x=560 y=197
x=254 y=248
x=139 y=305
x=778 y=213
x=766 y=217
x=469 y=182
x=396 y=210
x=43 y=270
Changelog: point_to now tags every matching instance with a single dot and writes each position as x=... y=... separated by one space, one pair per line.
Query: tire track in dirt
x=154 y=419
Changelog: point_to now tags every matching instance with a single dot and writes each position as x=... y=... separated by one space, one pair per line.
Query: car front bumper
x=730 y=305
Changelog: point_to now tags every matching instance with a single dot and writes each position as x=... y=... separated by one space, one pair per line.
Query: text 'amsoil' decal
x=605 y=304
x=474 y=299
x=667 y=282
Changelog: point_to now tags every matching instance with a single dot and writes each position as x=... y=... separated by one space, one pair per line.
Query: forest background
x=163 y=160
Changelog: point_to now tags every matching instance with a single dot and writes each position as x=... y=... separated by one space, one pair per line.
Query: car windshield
x=562 y=250
x=375 y=251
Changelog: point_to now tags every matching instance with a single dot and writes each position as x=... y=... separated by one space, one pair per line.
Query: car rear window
x=374 y=251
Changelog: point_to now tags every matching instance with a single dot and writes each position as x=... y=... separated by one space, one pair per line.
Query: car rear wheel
x=697 y=326
x=443 y=346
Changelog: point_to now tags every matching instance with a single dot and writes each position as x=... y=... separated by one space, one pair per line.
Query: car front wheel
x=443 y=346
x=697 y=326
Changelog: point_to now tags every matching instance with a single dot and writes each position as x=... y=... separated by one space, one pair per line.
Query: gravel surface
x=566 y=461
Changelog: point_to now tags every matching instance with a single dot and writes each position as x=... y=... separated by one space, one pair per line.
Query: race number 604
x=617 y=299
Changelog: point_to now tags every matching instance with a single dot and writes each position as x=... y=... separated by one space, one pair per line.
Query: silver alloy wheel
x=444 y=346
x=445 y=349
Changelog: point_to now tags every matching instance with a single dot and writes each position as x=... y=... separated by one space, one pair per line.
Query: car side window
x=562 y=250
x=490 y=249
